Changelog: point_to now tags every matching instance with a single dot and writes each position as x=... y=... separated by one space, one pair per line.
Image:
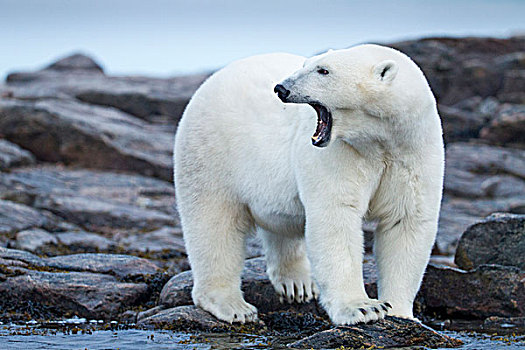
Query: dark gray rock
x=160 y=101
x=33 y=184
x=156 y=100
x=459 y=68
x=459 y=124
x=67 y=293
x=185 y=318
x=94 y=137
x=122 y=266
x=16 y=217
x=76 y=62
x=479 y=180
x=499 y=239
x=166 y=239
x=13 y=156
x=507 y=128
x=99 y=215
x=96 y=286
x=470 y=166
x=391 y=332
x=84 y=241
x=489 y=290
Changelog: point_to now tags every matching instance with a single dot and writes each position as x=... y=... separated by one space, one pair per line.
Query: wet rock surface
x=85 y=186
x=86 y=285
x=391 y=332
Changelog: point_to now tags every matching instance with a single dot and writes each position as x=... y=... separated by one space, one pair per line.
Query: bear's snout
x=282 y=92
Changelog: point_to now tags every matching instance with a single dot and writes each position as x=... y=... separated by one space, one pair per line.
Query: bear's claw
x=359 y=311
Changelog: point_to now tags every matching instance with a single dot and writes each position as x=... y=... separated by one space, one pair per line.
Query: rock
x=156 y=100
x=13 y=156
x=513 y=89
x=459 y=124
x=125 y=267
x=85 y=241
x=257 y=289
x=33 y=239
x=254 y=248
x=388 y=333
x=167 y=239
x=37 y=183
x=501 y=325
x=66 y=293
x=161 y=101
x=17 y=217
x=469 y=166
x=459 y=68
x=95 y=286
x=489 y=290
x=76 y=62
x=66 y=131
x=185 y=318
x=479 y=180
x=499 y=239
x=96 y=201
x=99 y=215
x=507 y=128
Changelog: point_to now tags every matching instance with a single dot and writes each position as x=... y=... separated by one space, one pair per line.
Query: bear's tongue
x=324 y=126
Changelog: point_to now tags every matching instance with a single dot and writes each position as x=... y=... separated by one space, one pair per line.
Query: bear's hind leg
x=288 y=266
x=214 y=234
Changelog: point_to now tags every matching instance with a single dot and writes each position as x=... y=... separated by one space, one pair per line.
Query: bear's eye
x=322 y=71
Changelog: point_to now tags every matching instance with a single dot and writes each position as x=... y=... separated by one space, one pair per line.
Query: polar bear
x=245 y=161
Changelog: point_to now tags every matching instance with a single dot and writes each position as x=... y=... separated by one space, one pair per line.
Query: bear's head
x=349 y=88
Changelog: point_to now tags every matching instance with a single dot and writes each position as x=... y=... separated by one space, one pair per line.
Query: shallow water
x=36 y=336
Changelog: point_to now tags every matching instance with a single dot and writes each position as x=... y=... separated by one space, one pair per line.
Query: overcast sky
x=162 y=38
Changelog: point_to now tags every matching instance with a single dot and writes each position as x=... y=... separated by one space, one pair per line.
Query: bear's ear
x=386 y=70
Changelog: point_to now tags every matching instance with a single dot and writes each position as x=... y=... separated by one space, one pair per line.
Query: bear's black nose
x=282 y=92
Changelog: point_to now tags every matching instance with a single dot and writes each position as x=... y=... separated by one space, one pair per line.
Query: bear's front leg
x=402 y=249
x=335 y=247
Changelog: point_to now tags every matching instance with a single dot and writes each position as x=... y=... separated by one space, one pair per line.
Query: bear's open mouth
x=324 y=125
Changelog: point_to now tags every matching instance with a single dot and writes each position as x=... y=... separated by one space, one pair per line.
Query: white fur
x=244 y=161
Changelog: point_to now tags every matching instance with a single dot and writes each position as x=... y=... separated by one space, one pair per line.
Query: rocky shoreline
x=89 y=227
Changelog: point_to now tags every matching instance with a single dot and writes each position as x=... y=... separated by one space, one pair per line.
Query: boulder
x=56 y=130
x=391 y=332
x=13 y=156
x=499 y=239
x=94 y=286
x=488 y=290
